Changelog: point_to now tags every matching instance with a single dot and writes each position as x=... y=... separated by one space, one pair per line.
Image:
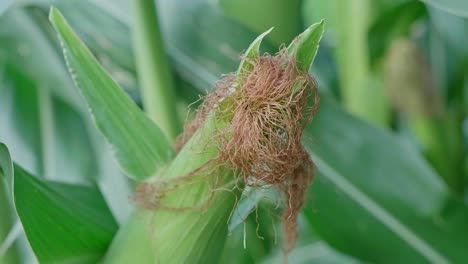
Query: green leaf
x=252 y=51
x=112 y=46
x=456 y=7
x=388 y=195
x=139 y=145
x=62 y=222
x=305 y=46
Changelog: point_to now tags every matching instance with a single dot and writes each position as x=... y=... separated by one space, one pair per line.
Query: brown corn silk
x=267 y=109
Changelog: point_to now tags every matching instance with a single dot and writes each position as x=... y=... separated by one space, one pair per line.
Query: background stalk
x=46 y=116
x=362 y=92
x=360 y=95
x=154 y=74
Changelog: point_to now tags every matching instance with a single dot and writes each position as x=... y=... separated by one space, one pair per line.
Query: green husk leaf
x=192 y=236
x=305 y=46
x=182 y=236
x=252 y=52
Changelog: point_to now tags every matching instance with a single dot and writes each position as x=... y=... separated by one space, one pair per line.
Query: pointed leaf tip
x=51 y=11
x=53 y=14
x=304 y=47
x=252 y=51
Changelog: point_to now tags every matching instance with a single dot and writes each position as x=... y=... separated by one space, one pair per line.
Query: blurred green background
x=390 y=142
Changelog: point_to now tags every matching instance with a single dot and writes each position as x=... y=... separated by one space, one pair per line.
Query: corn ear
x=189 y=236
x=167 y=236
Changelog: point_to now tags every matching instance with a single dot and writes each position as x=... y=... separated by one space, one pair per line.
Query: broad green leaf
x=389 y=198
x=63 y=223
x=457 y=7
x=305 y=46
x=139 y=145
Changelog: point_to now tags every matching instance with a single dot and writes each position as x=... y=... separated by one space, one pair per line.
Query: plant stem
x=154 y=74
x=361 y=95
x=46 y=118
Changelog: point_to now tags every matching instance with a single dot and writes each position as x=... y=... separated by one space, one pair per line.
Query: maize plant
x=220 y=132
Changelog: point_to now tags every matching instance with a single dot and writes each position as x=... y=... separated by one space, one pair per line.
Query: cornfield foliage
x=94 y=92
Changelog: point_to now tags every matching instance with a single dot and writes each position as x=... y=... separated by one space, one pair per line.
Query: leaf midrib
x=380 y=213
